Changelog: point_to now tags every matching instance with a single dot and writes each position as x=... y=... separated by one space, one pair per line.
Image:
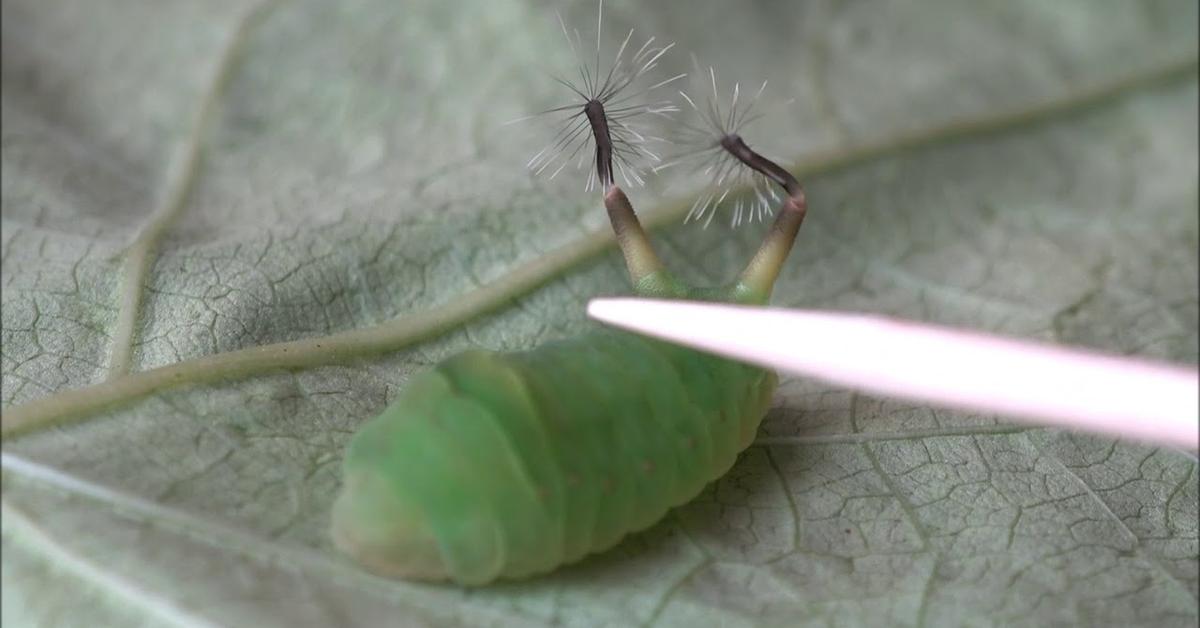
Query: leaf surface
x=333 y=183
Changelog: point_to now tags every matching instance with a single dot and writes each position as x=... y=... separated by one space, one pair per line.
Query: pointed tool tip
x=956 y=368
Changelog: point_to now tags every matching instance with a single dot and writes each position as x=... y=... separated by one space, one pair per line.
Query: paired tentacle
x=606 y=101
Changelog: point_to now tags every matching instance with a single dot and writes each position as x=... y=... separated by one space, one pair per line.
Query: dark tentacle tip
x=736 y=146
x=594 y=110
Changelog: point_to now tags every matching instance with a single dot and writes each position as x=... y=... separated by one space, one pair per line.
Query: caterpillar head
x=381 y=531
x=382 y=527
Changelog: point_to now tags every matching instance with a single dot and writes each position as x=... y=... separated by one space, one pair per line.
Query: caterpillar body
x=503 y=465
x=508 y=465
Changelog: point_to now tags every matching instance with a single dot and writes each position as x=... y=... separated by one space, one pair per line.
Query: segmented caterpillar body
x=508 y=465
x=497 y=465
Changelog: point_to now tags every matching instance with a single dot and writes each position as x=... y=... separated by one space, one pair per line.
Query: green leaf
x=230 y=235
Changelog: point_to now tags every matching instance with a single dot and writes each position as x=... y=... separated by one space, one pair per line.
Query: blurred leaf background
x=186 y=181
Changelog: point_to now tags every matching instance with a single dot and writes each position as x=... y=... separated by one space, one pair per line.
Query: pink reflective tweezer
x=1069 y=388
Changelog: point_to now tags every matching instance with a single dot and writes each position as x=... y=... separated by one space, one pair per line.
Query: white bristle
x=616 y=88
x=698 y=140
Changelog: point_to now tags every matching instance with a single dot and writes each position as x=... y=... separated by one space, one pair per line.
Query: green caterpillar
x=508 y=465
x=505 y=465
x=495 y=465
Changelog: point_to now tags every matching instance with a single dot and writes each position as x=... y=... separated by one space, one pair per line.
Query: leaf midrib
x=181 y=176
